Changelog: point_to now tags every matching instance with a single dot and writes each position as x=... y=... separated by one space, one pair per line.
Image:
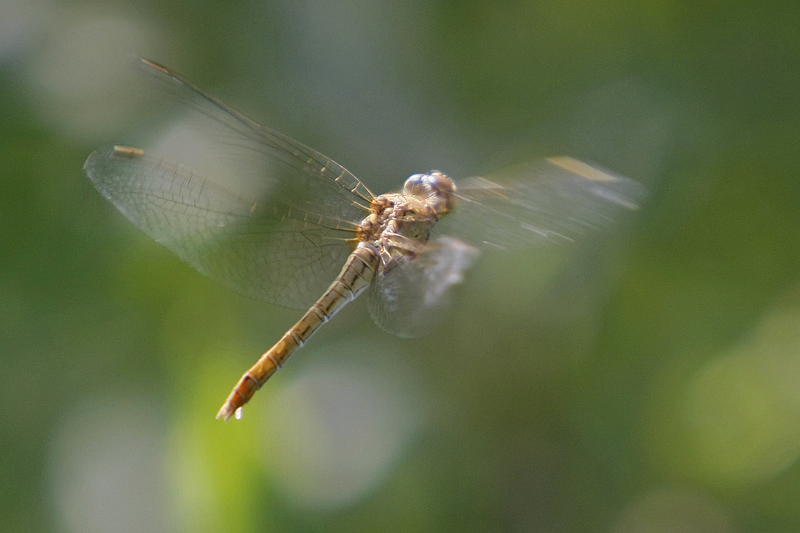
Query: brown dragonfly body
x=273 y=219
x=396 y=230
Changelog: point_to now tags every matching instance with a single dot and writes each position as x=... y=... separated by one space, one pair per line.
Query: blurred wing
x=411 y=299
x=546 y=202
x=246 y=206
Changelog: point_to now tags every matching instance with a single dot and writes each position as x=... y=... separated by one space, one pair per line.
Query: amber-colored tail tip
x=226 y=412
x=239 y=396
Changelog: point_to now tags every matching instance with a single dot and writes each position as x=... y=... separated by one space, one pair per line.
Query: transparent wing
x=259 y=248
x=411 y=299
x=246 y=206
x=546 y=202
x=206 y=134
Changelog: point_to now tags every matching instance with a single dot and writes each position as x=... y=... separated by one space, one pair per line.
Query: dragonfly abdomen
x=356 y=275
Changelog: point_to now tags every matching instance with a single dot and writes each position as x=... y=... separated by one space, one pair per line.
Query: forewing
x=246 y=206
x=411 y=299
x=546 y=202
x=214 y=139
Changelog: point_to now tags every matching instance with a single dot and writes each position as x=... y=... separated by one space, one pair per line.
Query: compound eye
x=415 y=183
x=440 y=182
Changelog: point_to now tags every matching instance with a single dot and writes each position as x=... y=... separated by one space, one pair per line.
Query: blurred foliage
x=641 y=380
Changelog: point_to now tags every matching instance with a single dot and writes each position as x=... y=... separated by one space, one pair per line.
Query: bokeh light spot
x=673 y=510
x=334 y=432
x=79 y=78
x=106 y=467
x=742 y=421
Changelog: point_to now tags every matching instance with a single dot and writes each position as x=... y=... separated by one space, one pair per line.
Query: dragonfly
x=275 y=220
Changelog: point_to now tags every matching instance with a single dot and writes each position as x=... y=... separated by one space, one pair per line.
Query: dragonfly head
x=435 y=188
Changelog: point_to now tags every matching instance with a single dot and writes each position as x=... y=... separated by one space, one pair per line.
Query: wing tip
x=581 y=169
x=153 y=64
x=116 y=151
x=119 y=151
x=626 y=193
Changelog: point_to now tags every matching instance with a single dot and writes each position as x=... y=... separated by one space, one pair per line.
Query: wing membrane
x=246 y=206
x=411 y=299
x=236 y=137
x=265 y=250
x=538 y=204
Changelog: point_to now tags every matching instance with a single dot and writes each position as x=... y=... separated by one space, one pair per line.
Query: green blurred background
x=645 y=379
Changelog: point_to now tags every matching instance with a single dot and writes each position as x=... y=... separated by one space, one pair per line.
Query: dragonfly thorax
x=408 y=216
